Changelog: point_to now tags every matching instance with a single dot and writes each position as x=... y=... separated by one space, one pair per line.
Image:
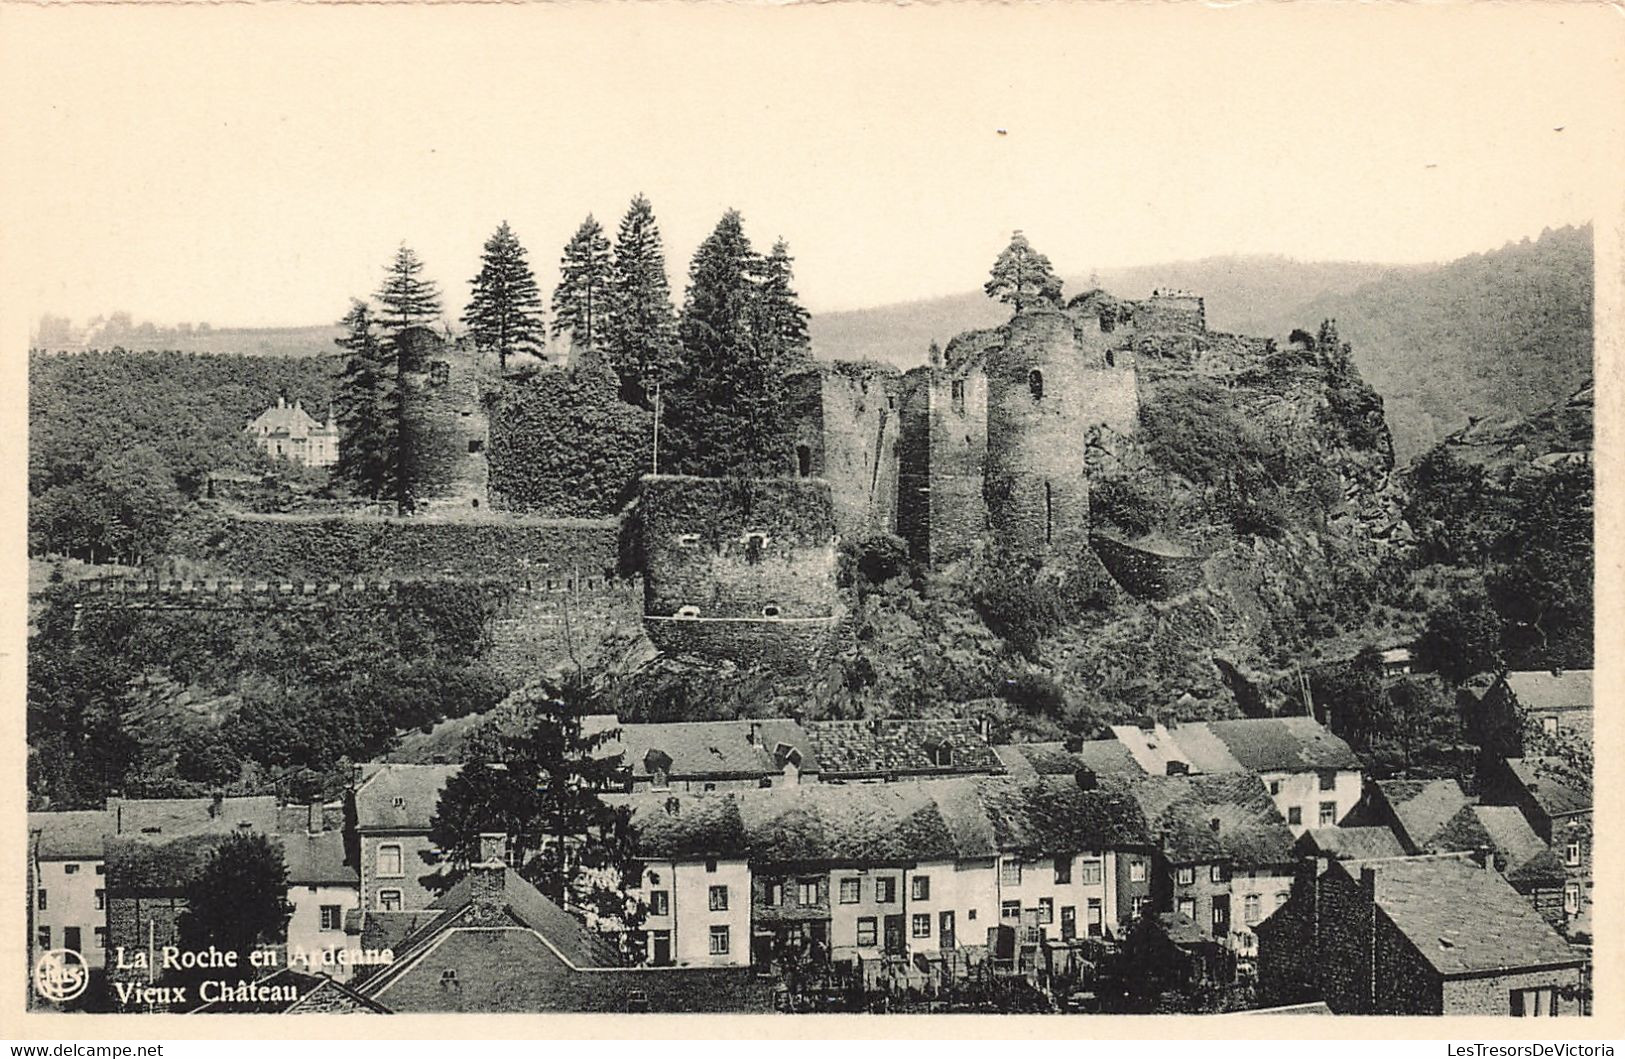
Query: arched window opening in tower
x=1035 y=383
x=803 y=461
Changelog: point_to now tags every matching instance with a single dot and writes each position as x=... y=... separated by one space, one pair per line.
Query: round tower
x=1053 y=378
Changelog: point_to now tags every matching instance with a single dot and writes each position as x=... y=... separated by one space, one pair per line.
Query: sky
x=257 y=165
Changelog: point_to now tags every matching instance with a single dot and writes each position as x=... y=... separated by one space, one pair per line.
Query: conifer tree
x=366 y=401
x=547 y=797
x=1022 y=277
x=580 y=301
x=505 y=312
x=407 y=298
x=780 y=317
x=640 y=327
x=728 y=401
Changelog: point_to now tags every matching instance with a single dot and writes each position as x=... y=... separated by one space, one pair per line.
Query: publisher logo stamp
x=60 y=975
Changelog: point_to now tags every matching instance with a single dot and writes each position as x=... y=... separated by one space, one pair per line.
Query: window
x=101 y=900
x=1091 y=873
x=101 y=869
x=1010 y=910
x=771 y=610
x=1571 y=899
x=1095 y=917
x=803 y=461
x=1275 y=787
x=773 y=895
x=1035 y=383
x=1218 y=873
x=1221 y=913
x=943 y=756
x=1010 y=873
x=807 y=892
x=1069 y=922
x=475 y=445
x=851 y=891
x=1046 y=911
x=1252 y=909
x=957 y=391
x=1328 y=814
x=448 y=977
x=44 y=937
x=70 y=869
x=332 y=918
x=711 y=866
x=920 y=888
x=971 y=915
x=660 y=902
x=1063 y=870
x=689 y=611
x=389 y=900
x=1571 y=854
x=885 y=890
x=719 y=941
x=1136 y=871
x=1294 y=815
x=1137 y=906
x=866 y=932
x=1529 y=1002
x=719 y=898
x=72 y=939
x=100 y=934
x=1185 y=876
x=920 y=925
x=1187 y=907
x=44 y=901
x=1328 y=779
x=1281 y=897
x=389 y=860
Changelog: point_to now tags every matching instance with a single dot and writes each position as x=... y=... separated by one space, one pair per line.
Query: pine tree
x=780 y=317
x=366 y=403
x=408 y=300
x=505 y=312
x=1022 y=277
x=547 y=796
x=640 y=327
x=728 y=401
x=580 y=301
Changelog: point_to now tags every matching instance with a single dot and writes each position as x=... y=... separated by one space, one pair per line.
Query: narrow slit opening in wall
x=1049 y=514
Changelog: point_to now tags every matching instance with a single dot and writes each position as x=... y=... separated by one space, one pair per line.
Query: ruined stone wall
x=1170 y=312
x=942 y=453
x=447 y=427
x=846 y=430
x=536 y=630
x=1147 y=573
x=1054 y=378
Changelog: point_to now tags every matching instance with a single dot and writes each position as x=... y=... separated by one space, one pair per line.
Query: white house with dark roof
x=1314 y=776
x=393 y=806
x=290 y=432
x=70 y=891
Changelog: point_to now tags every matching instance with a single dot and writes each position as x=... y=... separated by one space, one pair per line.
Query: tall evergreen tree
x=407 y=298
x=1022 y=277
x=544 y=789
x=505 y=312
x=580 y=301
x=366 y=403
x=640 y=328
x=780 y=317
x=728 y=401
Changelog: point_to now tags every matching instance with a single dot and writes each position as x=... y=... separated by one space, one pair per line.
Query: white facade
x=316 y=928
x=699 y=913
x=70 y=908
x=1073 y=890
x=1314 y=799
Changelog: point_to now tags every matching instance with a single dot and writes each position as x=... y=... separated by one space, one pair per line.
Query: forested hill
x=1509 y=330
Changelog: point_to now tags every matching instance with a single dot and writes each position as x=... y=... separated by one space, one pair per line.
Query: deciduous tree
x=238 y=900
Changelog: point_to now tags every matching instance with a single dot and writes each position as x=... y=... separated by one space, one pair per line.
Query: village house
x=1225 y=855
x=69 y=905
x=1413 y=810
x=290 y=432
x=392 y=807
x=1555 y=797
x=323 y=888
x=710 y=755
x=882 y=749
x=1557 y=702
x=1438 y=934
x=1312 y=775
x=494 y=943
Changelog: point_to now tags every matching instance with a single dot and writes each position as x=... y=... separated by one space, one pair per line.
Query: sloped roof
x=74 y=834
x=136 y=865
x=1200 y=745
x=164 y=818
x=1422 y=807
x=720 y=749
x=884 y=747
x=1105 y=757
x=1352 y=843
x=1484 y=925
x=1542 y=689
x=1283 y=744
x=404 y=797
x=289 y=419
x=1503 y=829
x=334 y=995
x=1182 y=811
x=317 y=860
x=1556 y=785
x=679 y=826
x=1053 y=815
x=861 y=823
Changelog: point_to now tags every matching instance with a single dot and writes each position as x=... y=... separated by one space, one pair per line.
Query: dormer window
x=688 y=540
x=754 y=543
x=771 y=610
x=1035 y=383
x=688 y=611
x=942 y=755
x=397 y=802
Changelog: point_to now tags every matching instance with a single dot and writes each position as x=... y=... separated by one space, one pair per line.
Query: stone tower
x=1054 y=377
x=447 y=425
x=941 y=454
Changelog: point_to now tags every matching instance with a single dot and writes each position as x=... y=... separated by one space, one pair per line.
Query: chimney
x=488 y=878
x=281 y=401
x=1368 y=889
x=984 y=727
x=313 y=817
x=1213 y=825
x=672 y=806
x=216 y=804
x=755 y=736
x=1073 y=744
